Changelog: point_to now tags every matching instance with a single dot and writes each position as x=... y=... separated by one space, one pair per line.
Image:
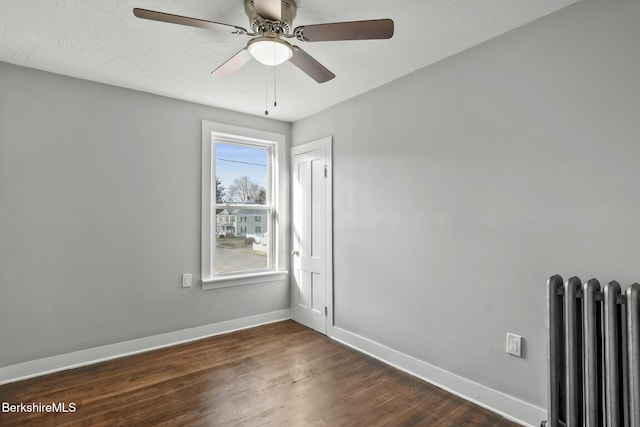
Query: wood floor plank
x=281 y=374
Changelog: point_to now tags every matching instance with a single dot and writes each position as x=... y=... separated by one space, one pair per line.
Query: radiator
x=593 y=354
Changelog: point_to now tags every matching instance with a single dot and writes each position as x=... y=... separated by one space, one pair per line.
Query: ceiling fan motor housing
x=261 y=25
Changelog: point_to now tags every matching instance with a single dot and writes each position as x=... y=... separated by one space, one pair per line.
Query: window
x=240 y=189
x=243 y=186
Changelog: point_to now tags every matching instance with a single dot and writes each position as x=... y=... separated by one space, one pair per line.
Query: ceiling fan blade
x=184 y=20
x=354 y=30
x=233 y=63
x=269 y=9
x=310 y=66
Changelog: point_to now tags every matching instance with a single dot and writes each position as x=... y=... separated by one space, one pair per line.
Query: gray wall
x=459 y=189
x=100 y=216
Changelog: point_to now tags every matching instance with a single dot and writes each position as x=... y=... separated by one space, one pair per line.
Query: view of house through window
x=243 y=208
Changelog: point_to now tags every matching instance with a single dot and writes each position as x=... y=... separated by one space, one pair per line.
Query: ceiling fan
x=271 y=25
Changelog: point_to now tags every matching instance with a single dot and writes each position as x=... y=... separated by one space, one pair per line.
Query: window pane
x=242 y=174
x=242 y=248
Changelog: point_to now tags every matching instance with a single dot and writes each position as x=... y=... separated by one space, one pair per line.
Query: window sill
x=243 y=279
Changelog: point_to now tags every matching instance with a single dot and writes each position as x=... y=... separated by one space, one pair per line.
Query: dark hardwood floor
x=281 y=374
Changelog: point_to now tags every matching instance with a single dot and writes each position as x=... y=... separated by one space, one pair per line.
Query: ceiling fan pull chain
x=275 y=86
x=266 y=95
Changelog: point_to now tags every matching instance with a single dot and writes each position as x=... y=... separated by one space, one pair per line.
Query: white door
x=311 y=289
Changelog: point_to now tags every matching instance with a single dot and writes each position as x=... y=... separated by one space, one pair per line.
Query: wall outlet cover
x=514 y=344
x=186 y=280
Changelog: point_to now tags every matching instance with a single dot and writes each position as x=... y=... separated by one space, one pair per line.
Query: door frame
x=326 y=144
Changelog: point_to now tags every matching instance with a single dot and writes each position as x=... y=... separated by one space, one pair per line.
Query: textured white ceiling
x=101 y=40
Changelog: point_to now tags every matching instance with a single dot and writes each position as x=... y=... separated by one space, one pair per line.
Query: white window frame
x=212 y=132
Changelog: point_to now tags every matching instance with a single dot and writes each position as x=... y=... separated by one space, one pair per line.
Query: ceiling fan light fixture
x=270 y=50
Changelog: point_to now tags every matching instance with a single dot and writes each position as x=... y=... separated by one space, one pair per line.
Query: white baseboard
x=34 y=368
x=509 y=407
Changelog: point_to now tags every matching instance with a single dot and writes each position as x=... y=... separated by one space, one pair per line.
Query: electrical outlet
x=514 y=344
x=186 y=280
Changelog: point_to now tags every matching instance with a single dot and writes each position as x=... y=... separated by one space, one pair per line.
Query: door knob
x=296 y=253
